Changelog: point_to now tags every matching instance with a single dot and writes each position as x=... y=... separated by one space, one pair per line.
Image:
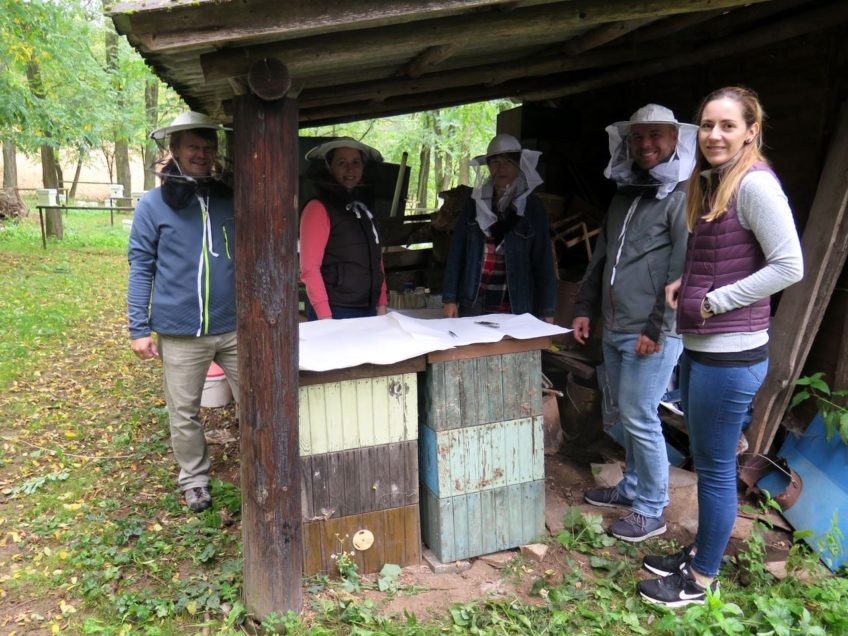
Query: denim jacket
x=529 y=262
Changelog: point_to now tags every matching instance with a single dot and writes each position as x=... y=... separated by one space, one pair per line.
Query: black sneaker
x=678 y=589
x=665 y=565
x=198 y=499
x=607 y=497
x=636 y=527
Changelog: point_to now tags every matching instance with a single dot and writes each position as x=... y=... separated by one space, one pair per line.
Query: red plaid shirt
x=494 y=293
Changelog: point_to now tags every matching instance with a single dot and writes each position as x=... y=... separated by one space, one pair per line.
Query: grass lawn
x=95 y=539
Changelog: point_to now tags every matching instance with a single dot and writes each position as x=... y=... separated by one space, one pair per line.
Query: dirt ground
x=567 y=475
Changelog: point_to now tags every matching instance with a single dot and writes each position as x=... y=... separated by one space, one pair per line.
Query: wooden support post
x=802 y=306
x=265 y=160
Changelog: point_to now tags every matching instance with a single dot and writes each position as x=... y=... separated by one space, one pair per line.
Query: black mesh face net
x=164 y=165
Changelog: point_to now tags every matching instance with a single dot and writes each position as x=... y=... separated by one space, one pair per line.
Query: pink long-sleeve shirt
x=314 y=234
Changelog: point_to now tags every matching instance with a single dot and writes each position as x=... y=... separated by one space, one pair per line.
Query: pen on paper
x=486 y=323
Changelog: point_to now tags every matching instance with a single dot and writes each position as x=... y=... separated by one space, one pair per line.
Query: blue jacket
x=182 y=270
x=529 y=262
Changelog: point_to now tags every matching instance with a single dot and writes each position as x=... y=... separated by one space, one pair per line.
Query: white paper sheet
x=339 y=344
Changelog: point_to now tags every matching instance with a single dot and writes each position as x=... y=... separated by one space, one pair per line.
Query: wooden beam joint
x=269 y=79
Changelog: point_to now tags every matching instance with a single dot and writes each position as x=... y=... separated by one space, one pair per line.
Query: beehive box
x=359 y=470
x=481 y=452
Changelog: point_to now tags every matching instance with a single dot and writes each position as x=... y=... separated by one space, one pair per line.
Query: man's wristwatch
x=708 y=308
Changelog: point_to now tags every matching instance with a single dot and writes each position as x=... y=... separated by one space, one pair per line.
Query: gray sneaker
x=198 y=498
x=607 y=497
x=635 y=527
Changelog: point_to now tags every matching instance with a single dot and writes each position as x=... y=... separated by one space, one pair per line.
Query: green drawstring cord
x=226 y=242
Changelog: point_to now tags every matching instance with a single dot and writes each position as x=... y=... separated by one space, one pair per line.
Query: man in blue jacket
x=182 y=287
x=640 y=251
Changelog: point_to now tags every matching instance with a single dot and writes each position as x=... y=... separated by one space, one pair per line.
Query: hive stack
x=481 y=455
x=359 y=464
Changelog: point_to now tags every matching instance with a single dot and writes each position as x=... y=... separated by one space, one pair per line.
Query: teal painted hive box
x=481 y=450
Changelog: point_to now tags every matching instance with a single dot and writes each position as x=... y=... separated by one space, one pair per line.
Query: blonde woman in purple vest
x=743 y=247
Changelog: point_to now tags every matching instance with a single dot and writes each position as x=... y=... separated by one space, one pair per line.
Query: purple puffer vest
x=720 y=253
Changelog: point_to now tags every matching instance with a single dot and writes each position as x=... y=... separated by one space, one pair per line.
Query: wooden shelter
x=268 y=68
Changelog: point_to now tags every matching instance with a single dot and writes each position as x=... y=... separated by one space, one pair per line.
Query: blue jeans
x=636 y=385
x=717 y=403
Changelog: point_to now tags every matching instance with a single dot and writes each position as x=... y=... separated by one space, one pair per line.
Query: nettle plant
x=828 y=402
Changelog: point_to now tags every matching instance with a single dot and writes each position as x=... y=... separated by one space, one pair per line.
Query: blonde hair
x=716 y=200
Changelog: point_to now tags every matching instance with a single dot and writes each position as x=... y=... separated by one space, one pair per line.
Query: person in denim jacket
x=500 y=259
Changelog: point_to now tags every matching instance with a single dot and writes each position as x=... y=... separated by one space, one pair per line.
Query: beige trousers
x=185 y=363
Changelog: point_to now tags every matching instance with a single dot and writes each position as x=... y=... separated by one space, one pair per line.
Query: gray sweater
x=762 y=207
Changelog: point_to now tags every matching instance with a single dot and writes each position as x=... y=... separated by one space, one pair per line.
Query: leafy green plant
x=752 y=560
x=834 y=413
x=710 y=619
x=389 y=578
x=347 y=566
x=583 y=532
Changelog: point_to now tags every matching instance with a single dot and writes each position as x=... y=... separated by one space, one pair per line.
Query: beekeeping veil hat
x=528 y=179
x=368 y=153
x=666 y=175
x=186 y=121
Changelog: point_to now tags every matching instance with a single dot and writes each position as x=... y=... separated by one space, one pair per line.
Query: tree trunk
x=465 y=158
x=423 y=176
x=447 y=174
x=10 y=164
x=73 y=193
x=438 y=164
x=151 y=110
x=122 y=167
x=49 y=173
x=122 y=155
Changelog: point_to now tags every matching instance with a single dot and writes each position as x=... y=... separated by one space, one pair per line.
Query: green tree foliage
x=64 y=108
x=79 y=103
x=452 y=136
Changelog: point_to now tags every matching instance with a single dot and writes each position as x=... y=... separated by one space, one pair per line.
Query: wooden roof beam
x=821 y=17
x=165 y=25
x=522 y=23
x=432 y=56
x=603 y=35
x=490 y=75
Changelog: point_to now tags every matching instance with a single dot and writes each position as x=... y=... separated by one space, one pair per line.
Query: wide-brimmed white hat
x=320 y=151
x=650 y=114
x=501 y=144
x=186 y=121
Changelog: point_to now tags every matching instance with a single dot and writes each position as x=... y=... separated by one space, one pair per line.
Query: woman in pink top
x=341 y=262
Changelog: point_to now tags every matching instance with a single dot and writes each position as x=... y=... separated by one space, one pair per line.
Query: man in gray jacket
x=640 y=250
x=182 y=286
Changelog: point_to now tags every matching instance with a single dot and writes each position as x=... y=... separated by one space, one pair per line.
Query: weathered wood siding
x=461 y=393
x=482 y=522
x=397 y=539
x=339 y=416
x=484 y=457
x=359 y=470
x=481 y=454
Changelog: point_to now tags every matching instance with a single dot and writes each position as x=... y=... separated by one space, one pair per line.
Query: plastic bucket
x=216 y=389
